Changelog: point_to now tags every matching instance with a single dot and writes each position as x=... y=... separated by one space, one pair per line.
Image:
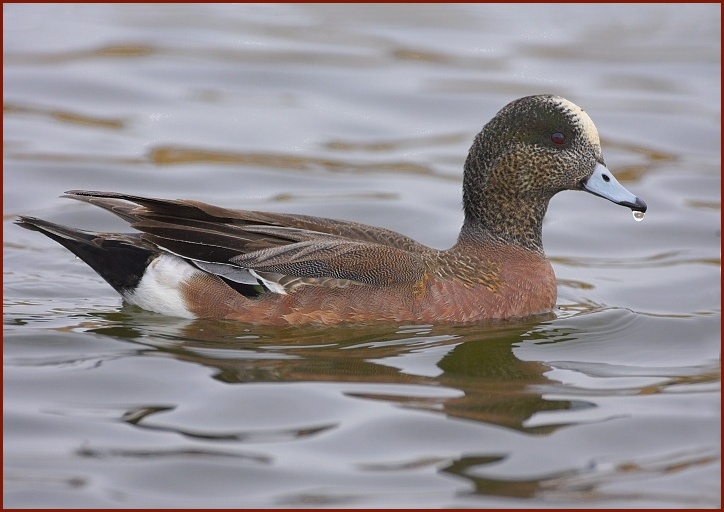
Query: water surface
x=362 y=112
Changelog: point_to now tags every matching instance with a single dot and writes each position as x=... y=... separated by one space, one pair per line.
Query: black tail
x=120 y=259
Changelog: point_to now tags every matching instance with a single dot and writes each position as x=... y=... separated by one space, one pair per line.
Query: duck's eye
x=558 y=138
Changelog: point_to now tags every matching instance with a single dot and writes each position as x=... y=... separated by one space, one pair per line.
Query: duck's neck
x=500 y=214
x=475 y=231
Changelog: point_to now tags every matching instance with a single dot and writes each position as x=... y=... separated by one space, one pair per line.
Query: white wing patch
x=228 y=271
x=268 y=284
x=240 y=275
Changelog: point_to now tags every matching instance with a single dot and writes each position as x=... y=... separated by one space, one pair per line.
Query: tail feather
x=120 y=259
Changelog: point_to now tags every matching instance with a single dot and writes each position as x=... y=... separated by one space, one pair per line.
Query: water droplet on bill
x=638 y=216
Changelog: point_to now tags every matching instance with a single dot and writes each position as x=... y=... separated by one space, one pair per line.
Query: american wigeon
x=196 y=260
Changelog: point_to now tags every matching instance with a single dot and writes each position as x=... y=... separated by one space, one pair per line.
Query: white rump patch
x=583 y=120
x=159 y=289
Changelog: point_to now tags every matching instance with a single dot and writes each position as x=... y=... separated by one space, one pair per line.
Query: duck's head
x=533 y=148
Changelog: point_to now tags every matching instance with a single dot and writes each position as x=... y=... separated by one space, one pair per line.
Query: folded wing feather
x=248 y=246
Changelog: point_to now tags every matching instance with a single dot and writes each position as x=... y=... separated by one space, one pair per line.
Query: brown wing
x=189 y=209
x=261 y=242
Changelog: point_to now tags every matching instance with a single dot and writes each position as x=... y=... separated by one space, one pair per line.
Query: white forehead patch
x=582 y=119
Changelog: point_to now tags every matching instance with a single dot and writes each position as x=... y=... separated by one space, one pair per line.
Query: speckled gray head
x=579 y=117
x=601 y=182
x=532 y=149
x=544 y=144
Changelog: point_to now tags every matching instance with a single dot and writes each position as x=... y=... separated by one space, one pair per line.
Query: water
x=362 y=112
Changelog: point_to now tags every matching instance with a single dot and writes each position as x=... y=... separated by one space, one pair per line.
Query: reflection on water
x=464 y=373
x=493 y=384
x=587 y=484
x=362 y=112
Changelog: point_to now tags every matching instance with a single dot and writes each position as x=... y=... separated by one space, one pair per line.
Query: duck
x=195 y=260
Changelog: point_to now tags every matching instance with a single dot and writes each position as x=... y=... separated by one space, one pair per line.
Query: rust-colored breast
x=509 y=282
x=494 y=283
